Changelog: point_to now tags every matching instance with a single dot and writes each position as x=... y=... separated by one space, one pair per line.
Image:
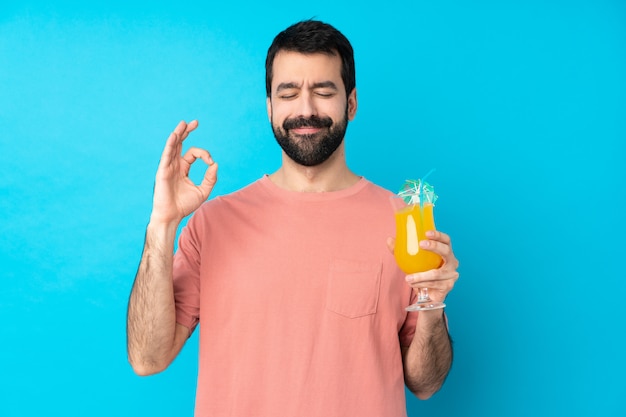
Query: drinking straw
x=413 y=189
x=421 y=188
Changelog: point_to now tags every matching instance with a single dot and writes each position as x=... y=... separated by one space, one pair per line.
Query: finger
x=439 y=236
x=173 y=144
x=179 y=136
x=209 y=180
x=439 y=285
x=190 y=127
x=440 y=288
x=180 y=128
x=182 y=132
x=194 y=153
x=433 y=275
x=422 y=277
x=437 y=247
x=169 y=153
x=434 y=288
x=391 y=244
x=183 y=129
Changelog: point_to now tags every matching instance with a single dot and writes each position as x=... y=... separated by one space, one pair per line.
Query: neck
x=332 y=175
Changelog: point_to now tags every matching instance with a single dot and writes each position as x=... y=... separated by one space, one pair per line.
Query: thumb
x=209 y=180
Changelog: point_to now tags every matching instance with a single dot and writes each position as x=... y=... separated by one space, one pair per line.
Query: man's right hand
x=175 y=195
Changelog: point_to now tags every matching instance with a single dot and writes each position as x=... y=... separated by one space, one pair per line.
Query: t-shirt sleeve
x=408 y=328
x=186 y=273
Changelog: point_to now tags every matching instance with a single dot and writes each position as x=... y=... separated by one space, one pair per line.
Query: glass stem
x=422 y=295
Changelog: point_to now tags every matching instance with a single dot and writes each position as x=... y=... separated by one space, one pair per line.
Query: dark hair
x=310 y=37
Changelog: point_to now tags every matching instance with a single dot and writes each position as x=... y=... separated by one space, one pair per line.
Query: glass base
x=425 y=305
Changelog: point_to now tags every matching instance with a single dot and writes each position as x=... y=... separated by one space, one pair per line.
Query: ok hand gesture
x=175 y=195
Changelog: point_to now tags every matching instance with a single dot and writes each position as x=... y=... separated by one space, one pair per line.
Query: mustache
x=312 y=121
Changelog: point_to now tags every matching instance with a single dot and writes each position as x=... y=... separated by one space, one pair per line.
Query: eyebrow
x=321 y=84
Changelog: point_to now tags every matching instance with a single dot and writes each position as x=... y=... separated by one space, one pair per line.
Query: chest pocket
x=353 y=287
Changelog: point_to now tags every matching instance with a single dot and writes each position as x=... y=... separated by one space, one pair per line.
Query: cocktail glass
x=414 y=217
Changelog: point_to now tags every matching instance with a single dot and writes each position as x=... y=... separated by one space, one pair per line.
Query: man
x=300 y=299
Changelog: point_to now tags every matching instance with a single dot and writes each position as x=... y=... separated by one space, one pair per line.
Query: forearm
x=429 y=358
x=151 y=321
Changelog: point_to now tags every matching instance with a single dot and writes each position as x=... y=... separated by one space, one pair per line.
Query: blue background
x=519 y=105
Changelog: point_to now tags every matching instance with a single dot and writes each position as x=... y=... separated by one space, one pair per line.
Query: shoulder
x=246 y=195
x=375 y=191
x=217 y=207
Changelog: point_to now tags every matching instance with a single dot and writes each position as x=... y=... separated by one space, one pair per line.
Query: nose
x=306 y=105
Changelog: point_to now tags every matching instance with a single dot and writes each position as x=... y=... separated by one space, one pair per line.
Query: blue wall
x=519 y=105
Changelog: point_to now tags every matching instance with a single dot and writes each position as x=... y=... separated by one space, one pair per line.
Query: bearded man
x=300 y=301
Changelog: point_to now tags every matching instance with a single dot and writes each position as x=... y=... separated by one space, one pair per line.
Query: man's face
x=308 y=107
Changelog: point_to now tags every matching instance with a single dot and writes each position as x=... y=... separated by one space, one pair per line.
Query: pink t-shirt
x=301 y=304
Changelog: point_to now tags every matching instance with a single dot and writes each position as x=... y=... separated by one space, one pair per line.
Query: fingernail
x=424 y=243
x=430 y=233
x=409 y=278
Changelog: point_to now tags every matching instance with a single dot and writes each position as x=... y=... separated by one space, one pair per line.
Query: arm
x=428 y=359
x=153 y=336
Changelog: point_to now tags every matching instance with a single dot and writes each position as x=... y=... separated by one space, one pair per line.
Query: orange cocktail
x=412 y=223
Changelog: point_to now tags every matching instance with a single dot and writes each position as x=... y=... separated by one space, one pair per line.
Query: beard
x=310 y=150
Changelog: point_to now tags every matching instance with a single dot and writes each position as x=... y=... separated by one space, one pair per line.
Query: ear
x=352 y=104
x=268 y=103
